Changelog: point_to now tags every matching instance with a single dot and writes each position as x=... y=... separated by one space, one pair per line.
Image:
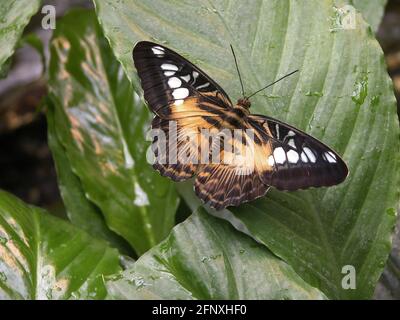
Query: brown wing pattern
x=229 y=179
x=221 y=186
x=181 y=150
x=235 y=178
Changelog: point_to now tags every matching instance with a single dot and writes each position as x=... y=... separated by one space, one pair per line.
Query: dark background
x=26 y=165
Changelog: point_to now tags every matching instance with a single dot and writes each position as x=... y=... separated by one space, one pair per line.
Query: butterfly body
x=243 y=103
x=234 y=155
x=234 y=118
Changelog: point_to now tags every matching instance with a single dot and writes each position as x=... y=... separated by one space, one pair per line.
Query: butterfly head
x=244 y=103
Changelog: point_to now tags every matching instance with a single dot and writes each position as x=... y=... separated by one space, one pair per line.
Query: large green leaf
x=372 y=11
x=205 y=258
x=342 y=95
x=80 y=211
x=102 y=127
x=43 y=257
x=14 y=16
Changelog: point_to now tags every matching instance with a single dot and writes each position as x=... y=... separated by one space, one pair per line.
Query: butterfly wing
x=233 y=178
x=169 y=80
x=184 y=100
x=296 y=160
x=276 y=154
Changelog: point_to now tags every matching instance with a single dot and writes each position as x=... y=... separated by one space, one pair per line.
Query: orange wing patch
x=236 y=178
x=183 y=149
x=227 y=158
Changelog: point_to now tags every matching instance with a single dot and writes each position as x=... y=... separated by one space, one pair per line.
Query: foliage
x=342 y=95
x=14 y=16
x=43 y=257
x=205 y=258
x=295 y=245
x=102 y=127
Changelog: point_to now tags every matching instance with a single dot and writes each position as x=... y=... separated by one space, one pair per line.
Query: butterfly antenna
x=237 y=68
x=285 y=76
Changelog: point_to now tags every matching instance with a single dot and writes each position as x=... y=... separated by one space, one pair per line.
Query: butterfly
x=274 y=154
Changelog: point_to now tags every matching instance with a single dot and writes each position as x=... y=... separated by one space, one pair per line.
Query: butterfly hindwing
x=221 y=186
x=232 y=179
x=298 y=160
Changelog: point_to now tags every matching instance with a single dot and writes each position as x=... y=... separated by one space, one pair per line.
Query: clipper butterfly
x=274 y=154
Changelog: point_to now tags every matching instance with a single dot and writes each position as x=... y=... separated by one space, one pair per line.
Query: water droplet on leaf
x=49 y=294
x=391 y=212
x=314 y=94
x=3 y=240
x=360 y=91
x=3 y=277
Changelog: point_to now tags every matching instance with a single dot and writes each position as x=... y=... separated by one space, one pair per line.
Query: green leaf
x=14 y=16
x=81 y=212
x=102 y=126
x=342 y=95
x=5 y=68
x=372 y=11
x=44 y=257
x=205 y=258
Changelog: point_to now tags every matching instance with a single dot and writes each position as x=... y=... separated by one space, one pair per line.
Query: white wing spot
x=291 y=143
x=310 y=154
x=203 y=86
x=195 y=74
x=291 y=133
x=178 y=102
x=277 y=130
x=271 y=160
x=169 y=73
x=186 y=78
x=180 y=93
x=174 y=82
x=279 y=155
x=304 y=157
x=330 y=156
x=158 y=51
x=293 y=156
x=168 y=66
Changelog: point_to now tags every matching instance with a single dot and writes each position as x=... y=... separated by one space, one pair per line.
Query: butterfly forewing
x=182 y=96
x=169 y=79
